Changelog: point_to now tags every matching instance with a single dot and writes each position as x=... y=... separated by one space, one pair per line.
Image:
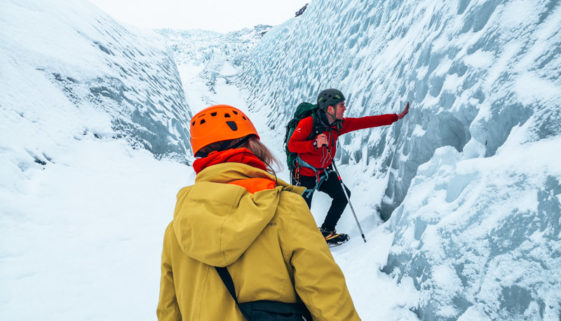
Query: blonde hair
x=251 y=142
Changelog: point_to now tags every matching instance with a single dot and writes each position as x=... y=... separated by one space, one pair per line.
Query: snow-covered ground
x=81 y=238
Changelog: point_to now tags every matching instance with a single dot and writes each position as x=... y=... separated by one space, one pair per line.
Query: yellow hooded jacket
x=268 y=240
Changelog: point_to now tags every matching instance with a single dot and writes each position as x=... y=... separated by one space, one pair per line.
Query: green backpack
x=302 y=111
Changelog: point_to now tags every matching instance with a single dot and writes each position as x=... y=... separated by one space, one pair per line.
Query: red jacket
x=301 y=144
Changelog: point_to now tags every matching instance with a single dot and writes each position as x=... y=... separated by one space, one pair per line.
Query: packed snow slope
x=84 y=61
x=472 y=174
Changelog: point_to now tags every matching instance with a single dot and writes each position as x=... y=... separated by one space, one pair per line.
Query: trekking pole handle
x=321 y=140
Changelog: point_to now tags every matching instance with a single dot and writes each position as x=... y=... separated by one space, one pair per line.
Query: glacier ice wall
x=473 y=170
x=94 y=61
x=481 y=237
x=471 y=69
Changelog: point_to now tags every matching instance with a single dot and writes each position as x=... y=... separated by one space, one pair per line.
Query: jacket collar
x=236 y=155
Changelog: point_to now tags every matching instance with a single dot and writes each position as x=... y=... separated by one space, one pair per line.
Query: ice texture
x=473 y=171
x=96 y=63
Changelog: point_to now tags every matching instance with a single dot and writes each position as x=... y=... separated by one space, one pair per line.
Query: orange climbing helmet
x=219 y=123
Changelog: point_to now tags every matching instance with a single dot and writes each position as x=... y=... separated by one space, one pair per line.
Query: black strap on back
x=228 y=282
x=248 y=309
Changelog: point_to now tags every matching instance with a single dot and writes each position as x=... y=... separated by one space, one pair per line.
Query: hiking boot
x=334 y=238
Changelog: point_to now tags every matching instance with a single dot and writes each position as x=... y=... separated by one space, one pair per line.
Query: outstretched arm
x=352 y=124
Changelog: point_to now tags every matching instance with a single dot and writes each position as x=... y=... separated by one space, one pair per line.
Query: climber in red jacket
x=314 y=170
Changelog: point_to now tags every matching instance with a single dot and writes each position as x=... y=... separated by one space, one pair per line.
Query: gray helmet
x=329 y=97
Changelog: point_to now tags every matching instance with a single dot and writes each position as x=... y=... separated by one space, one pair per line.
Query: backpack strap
x=228 y=282
x=317 y=124
x=321 y=124
x=270 y=306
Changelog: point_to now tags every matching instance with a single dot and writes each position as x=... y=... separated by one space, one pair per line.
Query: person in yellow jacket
x=239 y=216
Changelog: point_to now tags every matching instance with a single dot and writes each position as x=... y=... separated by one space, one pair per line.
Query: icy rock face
x=483 y=235
x=94 y=61
x=475 y=164
x=209 y=43
x=471 y=69
x=208 y=50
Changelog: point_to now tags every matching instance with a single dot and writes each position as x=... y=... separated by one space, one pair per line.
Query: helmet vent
x=226 y=115
x=213 y=114
x=244 y=118
x=232 y=124
x=193 y=123
x=235 y=112
x=202 y=121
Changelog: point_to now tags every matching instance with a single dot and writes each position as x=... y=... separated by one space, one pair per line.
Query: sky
x=216 y=15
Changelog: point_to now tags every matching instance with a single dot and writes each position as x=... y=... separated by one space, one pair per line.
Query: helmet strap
x=333 y=115
x=241 y=142
x=225 y=145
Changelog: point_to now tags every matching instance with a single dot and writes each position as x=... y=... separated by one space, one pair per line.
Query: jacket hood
x=215 y=222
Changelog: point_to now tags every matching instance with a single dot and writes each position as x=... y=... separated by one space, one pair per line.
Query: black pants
x=332 y=187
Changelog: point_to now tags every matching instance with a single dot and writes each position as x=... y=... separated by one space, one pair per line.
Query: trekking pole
x=346 y=195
